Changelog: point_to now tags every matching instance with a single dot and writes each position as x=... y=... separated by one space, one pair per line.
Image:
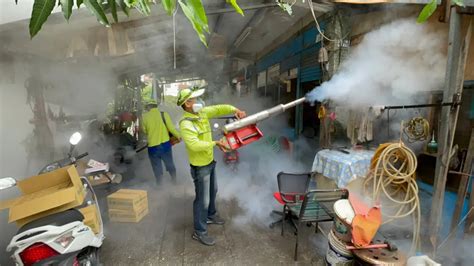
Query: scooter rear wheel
x=90 y=258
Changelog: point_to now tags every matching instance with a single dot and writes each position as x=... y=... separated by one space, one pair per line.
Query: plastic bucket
x=337 y=254
x=342 y=224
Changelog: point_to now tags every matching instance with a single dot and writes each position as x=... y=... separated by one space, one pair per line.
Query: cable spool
x=417 y=129
x=392 y=175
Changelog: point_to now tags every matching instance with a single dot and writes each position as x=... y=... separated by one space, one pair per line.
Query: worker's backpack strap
x=192 y=120
x=173 y=139
x=164 y=122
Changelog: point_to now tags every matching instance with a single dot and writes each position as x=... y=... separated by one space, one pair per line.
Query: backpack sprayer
x=245 y=131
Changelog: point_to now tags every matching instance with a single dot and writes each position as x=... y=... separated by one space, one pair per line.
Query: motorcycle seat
x=57 y=219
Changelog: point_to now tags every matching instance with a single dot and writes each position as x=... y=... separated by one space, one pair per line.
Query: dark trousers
x=156 y=156
x=205 y=186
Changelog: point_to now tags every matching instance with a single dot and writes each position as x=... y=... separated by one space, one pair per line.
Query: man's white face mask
x=198 y=105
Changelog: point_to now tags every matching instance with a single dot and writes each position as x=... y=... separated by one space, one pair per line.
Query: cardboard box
x=128 y=216
x=98 y=180
x=128 y=200
x=128 y=205
x=31 y=218
x=91 y=217
x=46 y=194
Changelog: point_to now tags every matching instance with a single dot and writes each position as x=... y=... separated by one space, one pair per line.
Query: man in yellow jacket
x=157 y=126
x=197 y=135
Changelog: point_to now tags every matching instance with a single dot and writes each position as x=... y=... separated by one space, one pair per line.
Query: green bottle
x=432 y=146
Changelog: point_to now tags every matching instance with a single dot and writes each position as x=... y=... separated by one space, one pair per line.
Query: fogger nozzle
x=253 y=119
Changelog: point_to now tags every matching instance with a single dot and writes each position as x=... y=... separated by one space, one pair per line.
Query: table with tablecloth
x=342 y=167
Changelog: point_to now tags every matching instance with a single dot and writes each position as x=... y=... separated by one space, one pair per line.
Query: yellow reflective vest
x=156 y=131
x=197 y=133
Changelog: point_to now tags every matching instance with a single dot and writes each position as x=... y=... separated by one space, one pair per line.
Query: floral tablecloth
x=341 y=167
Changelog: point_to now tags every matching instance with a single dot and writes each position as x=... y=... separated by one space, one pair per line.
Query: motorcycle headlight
x=65 y=240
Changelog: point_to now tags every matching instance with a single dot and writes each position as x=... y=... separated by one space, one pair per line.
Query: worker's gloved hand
x=222 y=145
x=240 y=114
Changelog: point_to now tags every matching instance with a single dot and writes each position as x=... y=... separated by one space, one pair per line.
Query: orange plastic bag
x=365 y=223
x=364 y=228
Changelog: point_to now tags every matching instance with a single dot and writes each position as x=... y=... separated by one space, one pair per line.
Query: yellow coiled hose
x=392 y=176
x=417 y=129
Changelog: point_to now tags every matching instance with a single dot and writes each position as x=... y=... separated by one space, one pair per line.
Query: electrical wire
x=310 y=4
x=454 y=230
x=392 y=177
x=174 y=36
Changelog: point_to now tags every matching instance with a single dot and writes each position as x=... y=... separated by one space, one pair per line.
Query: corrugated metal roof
x=310 y=73
x=287 y=51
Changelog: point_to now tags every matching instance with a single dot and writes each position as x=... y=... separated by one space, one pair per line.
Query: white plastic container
x=421 y=261
x=344 y=216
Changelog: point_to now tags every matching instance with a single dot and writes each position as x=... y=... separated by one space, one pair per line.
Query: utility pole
x=452 y=92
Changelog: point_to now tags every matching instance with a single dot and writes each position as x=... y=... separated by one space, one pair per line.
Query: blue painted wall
x=426 y=198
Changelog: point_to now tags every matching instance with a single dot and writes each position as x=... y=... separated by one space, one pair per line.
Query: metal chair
x=291 y=190
x=317 y=206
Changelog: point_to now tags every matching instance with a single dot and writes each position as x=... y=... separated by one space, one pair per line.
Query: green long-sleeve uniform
x=197 y=134
x=156 y=131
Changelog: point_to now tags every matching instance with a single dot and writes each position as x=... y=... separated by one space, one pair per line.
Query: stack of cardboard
x=128 y=205
x=45 y=194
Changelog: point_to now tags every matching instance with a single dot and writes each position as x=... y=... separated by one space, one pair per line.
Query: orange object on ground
x=364 y=228
x=358 y=205
x=365 y=223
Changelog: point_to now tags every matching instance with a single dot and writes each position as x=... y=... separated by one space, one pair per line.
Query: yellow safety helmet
x=189 y=93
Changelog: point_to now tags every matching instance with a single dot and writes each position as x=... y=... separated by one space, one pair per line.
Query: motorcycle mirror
x=75 y=138
x=7 y=182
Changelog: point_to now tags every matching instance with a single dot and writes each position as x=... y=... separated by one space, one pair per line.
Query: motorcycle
x=61 y=238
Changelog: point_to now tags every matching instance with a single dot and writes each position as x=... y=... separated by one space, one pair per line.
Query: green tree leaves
x=97 y=10
x=66 y=6
x=430 y=8
x=427 y=11
x=113 y=10
x=236 y=6
x=41 y=11
x=169 y=6
x=192 y=9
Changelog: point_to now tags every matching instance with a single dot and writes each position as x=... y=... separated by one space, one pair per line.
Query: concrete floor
x=163 y=237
